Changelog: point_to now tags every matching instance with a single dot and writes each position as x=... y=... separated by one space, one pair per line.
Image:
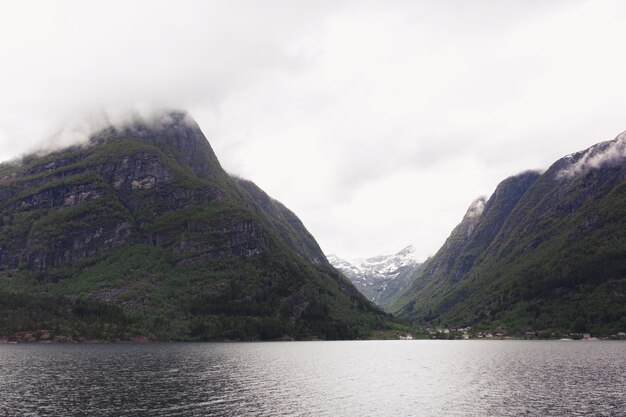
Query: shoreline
x=149 y=342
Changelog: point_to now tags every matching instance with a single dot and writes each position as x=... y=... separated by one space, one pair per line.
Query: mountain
x=546 y=252
x=141 y=233
x=380 y=278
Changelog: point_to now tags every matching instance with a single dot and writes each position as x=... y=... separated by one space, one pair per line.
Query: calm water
x=387 y=378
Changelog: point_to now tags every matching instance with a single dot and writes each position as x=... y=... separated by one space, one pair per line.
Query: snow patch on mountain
x=379 y=277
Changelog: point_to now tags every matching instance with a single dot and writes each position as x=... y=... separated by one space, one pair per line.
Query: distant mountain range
x=547 y=251
x=380 y=278
x=141 y=233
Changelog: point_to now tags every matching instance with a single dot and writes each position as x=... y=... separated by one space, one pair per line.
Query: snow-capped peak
x=385 y=264
x=379 y=277
x=376 y=267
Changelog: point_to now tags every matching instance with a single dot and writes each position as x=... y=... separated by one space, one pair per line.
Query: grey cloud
x=67 y=60
x=373 y=161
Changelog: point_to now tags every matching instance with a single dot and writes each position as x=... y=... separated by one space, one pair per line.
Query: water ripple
x=419 y=378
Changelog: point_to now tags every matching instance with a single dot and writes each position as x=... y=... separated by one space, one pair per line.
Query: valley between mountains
x=545 y=255
x=140 y=234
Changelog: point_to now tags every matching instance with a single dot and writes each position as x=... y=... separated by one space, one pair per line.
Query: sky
x=376 y=122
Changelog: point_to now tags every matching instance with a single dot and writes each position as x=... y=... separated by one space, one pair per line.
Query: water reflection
x=430 y=378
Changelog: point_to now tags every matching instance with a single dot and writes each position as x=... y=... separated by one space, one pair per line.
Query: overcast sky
x=376 y=122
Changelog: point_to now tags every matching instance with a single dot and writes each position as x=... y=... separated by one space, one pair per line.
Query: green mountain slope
x=548 y=252
x=142 y=233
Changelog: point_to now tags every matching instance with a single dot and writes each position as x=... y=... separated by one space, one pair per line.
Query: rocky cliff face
x=146 y=212
x=546 y=251
x=175 y=133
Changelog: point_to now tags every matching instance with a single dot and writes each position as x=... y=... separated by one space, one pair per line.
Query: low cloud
x=604 y=154
x=476 y=209
x=65 y=62
x=79 y=131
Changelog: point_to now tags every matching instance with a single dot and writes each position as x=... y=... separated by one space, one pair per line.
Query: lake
x=362 y=378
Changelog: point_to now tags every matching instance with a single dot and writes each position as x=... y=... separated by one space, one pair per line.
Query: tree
x=579 y=326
